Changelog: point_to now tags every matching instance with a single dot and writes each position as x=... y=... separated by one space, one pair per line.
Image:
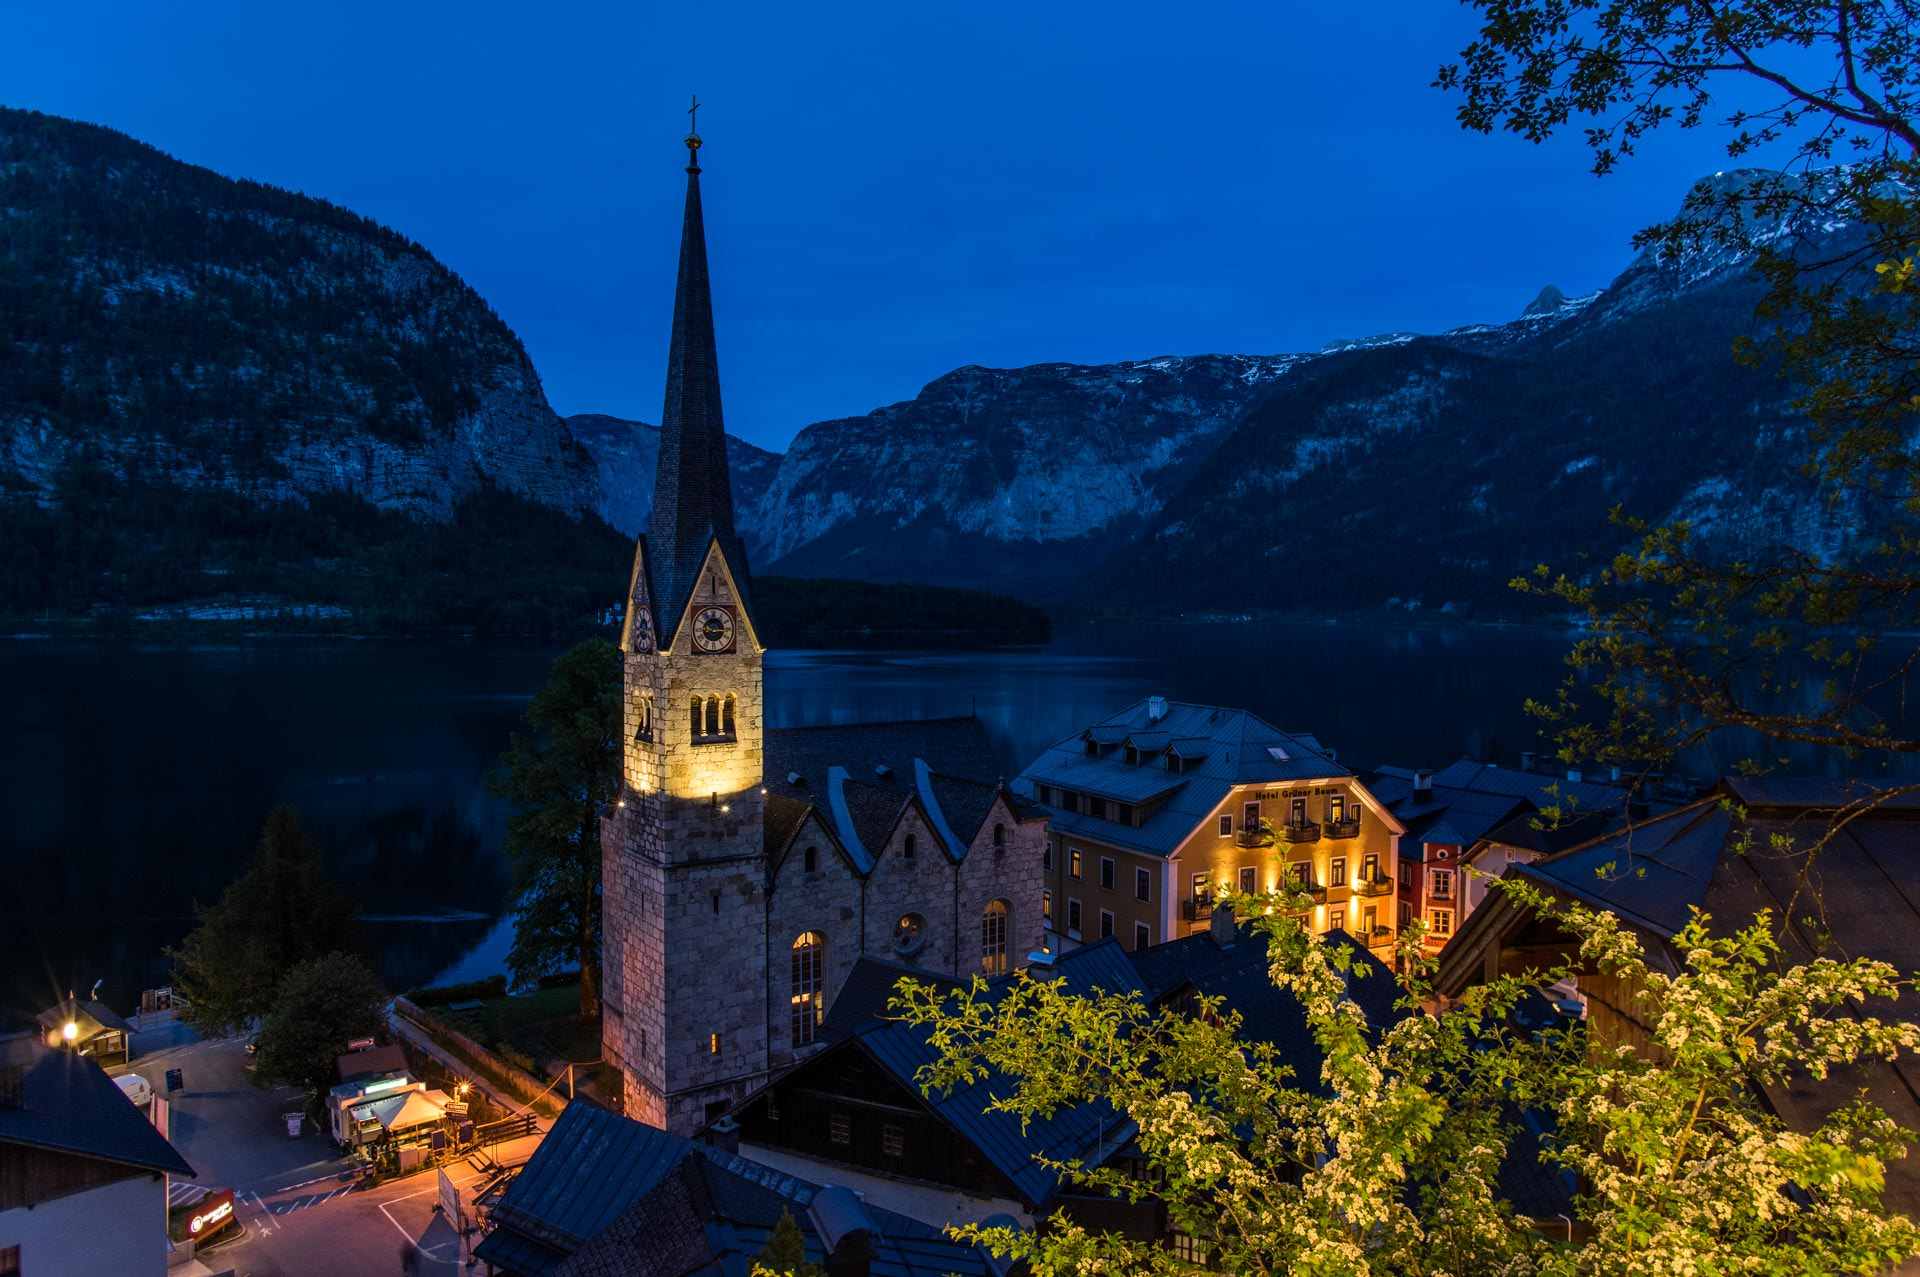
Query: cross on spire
x=693 y=135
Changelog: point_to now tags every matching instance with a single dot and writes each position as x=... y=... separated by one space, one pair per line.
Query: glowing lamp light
x=70 y=1030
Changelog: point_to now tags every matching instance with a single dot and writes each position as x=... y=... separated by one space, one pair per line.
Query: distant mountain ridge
x=212 y=387
x=625 y=454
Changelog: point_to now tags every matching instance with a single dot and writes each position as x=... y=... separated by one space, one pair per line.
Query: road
x=298 y=1214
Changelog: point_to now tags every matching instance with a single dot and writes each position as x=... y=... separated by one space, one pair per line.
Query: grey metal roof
x=591 y=1166
x=868 y=988
x=70 y=1105
x=1241 y=750
x=1091 y=1131
x=706 y=1219
x=1655 y=872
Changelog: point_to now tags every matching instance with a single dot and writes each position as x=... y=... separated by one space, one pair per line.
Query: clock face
x=713 y=630
x=643 y=631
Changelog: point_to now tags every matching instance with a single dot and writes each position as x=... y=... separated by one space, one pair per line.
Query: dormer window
x=1133 y=756
x=1173 y=763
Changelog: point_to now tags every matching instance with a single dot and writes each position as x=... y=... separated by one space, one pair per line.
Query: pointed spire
x=692 y=496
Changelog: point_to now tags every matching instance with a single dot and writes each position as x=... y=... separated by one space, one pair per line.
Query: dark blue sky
x=892 y=190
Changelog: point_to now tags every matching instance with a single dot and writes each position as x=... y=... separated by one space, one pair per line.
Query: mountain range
x=213 y=388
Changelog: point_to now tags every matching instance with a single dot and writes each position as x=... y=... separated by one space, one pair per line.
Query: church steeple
x=692 y=495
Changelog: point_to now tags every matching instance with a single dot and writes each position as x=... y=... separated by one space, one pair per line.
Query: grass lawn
x=504 y=1017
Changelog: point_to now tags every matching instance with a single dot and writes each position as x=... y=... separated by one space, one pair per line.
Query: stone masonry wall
x=828 y=901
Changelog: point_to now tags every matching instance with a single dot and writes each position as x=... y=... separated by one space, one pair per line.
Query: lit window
x=1443 y=922
x=1337 y=877
x=909 y=933
x=1073 y=862
x=713 y=1045
x=807 y=997
x=1337 y=920
x=1046 y=907
x=993 y=939
x=1188 y=1249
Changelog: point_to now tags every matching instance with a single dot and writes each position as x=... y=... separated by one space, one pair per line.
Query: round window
x=909 y=932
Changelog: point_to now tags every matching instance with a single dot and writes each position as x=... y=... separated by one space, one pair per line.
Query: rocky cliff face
x=161 y=321
x=1001 y=478
x=626 y=453
x=1411 y=470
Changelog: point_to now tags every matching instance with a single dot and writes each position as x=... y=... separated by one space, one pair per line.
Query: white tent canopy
x=415 y=1108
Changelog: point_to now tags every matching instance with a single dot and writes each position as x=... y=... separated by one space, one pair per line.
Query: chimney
x=1156 y=708
x=1221 y=926
x=845 y=1230
x=724 y=1134
x=1423 y=781
x=1526 y=760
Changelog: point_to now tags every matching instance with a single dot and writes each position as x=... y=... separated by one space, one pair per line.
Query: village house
x=856 y=1113
x=1156 y=811
x=78 y=1160
x=1474 y=815
x=1653 y=873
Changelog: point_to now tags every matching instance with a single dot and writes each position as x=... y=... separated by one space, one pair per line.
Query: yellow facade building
x=1159 y=810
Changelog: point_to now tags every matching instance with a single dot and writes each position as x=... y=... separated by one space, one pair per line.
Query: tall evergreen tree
x=283 y=910
x=560 y=776
x=785 y=1254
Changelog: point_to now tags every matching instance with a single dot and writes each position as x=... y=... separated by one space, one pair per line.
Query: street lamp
x=70 y=1030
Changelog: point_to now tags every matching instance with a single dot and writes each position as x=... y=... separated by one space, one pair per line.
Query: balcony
x=1374 y=886
x=1193 y=909
x=1294 y=887
x=1306 y=831
x=1343 y=828
x=1254 y=838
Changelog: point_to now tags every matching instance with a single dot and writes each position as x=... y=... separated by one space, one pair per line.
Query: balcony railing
x=1254 y=838
x=1349 y=828
x=1294 y=887
x=1374 y=886
x=1306 y=831
x=1193 y=909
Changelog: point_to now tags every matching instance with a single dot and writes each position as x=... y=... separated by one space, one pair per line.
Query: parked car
x=135 y=1088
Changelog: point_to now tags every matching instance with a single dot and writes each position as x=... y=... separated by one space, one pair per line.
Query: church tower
x=683 y=861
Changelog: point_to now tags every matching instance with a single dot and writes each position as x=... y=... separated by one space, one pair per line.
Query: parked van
x=135 y=1088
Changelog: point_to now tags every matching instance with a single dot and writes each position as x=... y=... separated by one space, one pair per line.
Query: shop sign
x=205 y=1217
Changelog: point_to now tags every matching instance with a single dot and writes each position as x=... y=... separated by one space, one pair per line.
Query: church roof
x=692 y=495
x=950 y=746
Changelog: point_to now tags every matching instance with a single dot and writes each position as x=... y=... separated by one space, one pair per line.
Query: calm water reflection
x=138 y=776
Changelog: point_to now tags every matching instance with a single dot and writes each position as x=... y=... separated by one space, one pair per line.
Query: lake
x=138 y=775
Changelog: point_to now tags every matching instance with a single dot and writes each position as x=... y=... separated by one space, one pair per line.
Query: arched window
x=993 y=939
x=908 y=847
x=808 y=1001
x=713 y=715
x=643 y=716
x=999 y=835
x=699 y=724
x=726 y=716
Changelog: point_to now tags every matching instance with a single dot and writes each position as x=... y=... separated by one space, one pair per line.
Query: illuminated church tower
x=684 y=869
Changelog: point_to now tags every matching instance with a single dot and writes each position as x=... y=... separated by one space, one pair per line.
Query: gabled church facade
x=744 y=870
